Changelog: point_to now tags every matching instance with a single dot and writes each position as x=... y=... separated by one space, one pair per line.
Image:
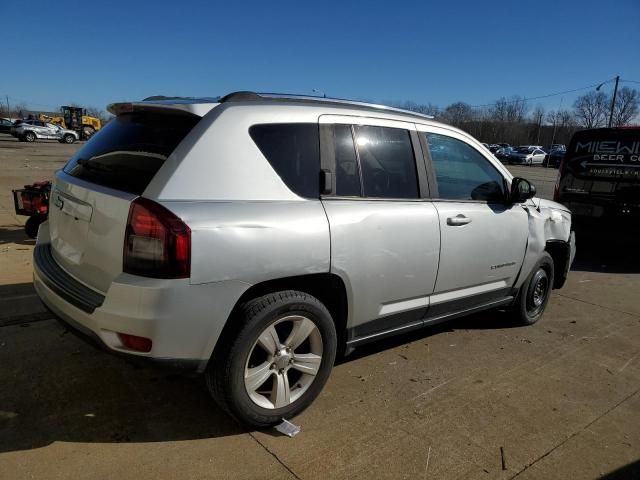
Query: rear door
x=51 y=131
x=91 y=196
x=385 y=237
x=483 y=238
x=39 y=129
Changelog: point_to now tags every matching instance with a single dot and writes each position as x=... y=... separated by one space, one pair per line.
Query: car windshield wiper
x=86 y=163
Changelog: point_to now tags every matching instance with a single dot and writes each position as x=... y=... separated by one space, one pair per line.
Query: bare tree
x=591 y=109
x=516 y=109
x=424 y=108
x=537 y=116
x=98 y=113
x=457 y=114
x=626 y=106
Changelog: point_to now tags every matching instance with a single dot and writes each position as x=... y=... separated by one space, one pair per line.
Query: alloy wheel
x=278 y=372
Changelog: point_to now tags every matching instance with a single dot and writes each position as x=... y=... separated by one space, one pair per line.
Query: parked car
x=252 y=238
x=13 y=129
x=5 y=125
x=31 y=130
x=554 y=158
x=599 y=178
x=556 y=147
x=503 y=154
x=526 y=156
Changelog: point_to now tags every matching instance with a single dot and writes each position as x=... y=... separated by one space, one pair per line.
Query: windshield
x=522 y=150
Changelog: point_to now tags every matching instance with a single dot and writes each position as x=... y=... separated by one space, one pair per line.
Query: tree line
x=512 y=120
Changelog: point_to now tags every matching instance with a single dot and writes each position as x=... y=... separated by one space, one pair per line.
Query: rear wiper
x=84 y=162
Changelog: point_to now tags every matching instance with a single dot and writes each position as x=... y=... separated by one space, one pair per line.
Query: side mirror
x=521 y=190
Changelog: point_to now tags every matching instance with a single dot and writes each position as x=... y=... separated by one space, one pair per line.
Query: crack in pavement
x=526 y=467
x=274 y=456
x=597 y=304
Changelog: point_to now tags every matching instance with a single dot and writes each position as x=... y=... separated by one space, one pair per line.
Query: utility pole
x=613 y=100
x=8 y=109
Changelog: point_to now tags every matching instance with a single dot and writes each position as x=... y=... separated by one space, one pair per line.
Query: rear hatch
x=602 y=168
x=91 y=196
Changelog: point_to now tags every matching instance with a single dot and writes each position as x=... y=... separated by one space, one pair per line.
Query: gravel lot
x=474 y=398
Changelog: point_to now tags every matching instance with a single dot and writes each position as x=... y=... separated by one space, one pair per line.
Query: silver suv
x=31 y=130
x=254 y=237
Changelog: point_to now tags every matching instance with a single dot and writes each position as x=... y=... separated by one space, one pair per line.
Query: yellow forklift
x=75 y=118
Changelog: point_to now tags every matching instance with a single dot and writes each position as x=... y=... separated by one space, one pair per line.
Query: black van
x=599 y=177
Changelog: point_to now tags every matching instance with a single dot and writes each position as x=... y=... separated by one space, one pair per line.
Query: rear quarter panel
x=254 y=241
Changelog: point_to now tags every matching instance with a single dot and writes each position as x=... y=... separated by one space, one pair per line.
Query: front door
x=483 y=237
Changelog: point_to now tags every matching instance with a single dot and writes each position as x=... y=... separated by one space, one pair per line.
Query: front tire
x=276 y=361
x=535 y=292
x=68 y=139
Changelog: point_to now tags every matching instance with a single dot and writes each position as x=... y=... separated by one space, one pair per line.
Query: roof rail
x=248 y=96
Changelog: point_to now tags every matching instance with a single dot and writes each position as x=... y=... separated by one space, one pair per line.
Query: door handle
x=458 y=220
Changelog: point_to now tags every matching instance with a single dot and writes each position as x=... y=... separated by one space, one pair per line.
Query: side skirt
x=428 y=321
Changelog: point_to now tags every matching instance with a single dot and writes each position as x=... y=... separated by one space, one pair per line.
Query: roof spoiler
x=163 y=106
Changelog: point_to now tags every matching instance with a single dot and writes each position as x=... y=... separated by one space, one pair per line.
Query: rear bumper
x=183 y=321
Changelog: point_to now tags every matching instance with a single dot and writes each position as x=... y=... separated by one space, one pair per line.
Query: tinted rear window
x=127 y=153
x=293 y=150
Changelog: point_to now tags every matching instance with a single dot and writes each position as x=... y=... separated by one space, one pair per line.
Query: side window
x=462 y=173
x=293 y=150
x=387 y=162
x=347 y=169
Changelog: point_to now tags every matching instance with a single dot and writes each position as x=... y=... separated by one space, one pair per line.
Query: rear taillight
x=156 y=243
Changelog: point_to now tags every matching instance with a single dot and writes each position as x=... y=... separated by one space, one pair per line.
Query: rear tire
x=535 y=292
x=261 y=372
x=88 y=131
x=29 y=137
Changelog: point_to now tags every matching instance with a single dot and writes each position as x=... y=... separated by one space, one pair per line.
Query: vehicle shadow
x=57 y=388
x=606 y=252
x=626 y=472
x=486 y=320
x=15 y=234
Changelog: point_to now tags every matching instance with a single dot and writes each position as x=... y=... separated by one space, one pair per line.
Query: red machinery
x=33 y=201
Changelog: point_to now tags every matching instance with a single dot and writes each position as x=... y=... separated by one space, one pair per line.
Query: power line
x=526 y=99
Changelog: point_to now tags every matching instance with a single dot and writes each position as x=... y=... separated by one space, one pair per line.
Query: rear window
x=293 y=150
x=127 y=153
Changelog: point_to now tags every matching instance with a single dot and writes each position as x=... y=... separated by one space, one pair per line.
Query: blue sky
x=94 y=53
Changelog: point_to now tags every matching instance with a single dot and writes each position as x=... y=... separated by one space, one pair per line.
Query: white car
x=527 y=156
x=35 y=129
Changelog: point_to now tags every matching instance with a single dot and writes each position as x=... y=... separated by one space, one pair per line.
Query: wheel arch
x=329 y=288
x=560 y=254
